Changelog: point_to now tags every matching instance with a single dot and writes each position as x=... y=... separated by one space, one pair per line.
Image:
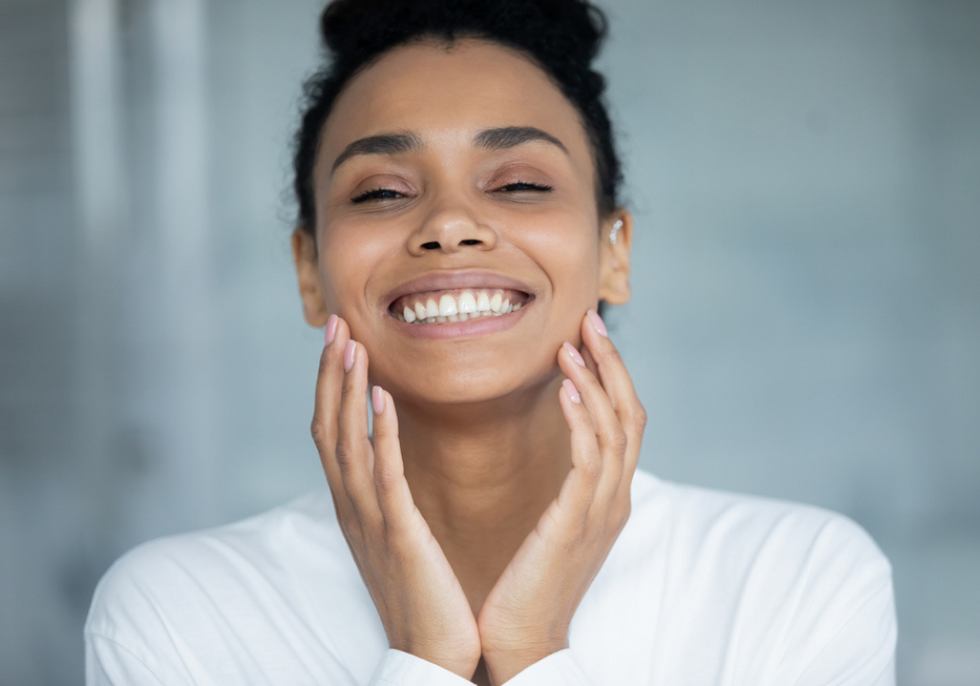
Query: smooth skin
x=497 y=477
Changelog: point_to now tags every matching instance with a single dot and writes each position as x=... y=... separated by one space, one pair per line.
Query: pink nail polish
x=378 y=400
x=331 y=330
x=349 y=351
x=571 y=390
x=597 y=323
x=576 y=355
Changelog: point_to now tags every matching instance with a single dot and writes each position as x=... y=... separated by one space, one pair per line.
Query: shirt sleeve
x=403 y=669
x=399 y=668
x=109 y=664
x=558 y=669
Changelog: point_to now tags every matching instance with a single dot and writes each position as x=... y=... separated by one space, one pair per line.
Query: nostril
x=431 y=245
x=470 y=241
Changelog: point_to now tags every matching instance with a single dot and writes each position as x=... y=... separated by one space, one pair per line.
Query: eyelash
x=375 y=194
x=388 y=194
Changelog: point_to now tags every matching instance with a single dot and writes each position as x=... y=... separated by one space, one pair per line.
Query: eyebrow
x=384 y=144
x=512 y=136
x=500 y=138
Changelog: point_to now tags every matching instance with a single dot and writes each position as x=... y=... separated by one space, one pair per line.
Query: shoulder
x=702 y=523
x=188 y=581
x=791 y=589
x=277 y=593
x=258 y=546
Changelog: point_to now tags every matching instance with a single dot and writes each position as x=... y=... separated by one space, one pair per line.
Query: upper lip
x=446 y=281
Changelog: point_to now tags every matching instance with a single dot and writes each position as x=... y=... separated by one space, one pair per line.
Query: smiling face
x=448 y=181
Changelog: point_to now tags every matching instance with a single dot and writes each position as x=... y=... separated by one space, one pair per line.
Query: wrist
x=504 y=662
x=459 y=661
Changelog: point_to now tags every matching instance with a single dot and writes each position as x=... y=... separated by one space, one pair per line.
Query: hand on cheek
x=527 y=614
x=419 y=599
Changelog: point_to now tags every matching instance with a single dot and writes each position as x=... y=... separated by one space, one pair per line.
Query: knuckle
x=618 y=442
x=592 y=468
x=609 y=353
x=619 y=519
x=624 y=512
x=640 y=417
x=318 y=429
x=344 y=454
x=385 y=476
x=345 y=392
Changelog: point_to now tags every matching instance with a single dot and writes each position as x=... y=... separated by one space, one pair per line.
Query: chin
x=488 y=385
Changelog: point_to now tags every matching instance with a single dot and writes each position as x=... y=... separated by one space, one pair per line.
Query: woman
x=459 y=226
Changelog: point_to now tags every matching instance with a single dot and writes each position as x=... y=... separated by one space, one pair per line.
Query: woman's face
x=446 y=177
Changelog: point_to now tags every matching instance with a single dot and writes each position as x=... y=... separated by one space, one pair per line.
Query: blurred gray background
x=806 y=320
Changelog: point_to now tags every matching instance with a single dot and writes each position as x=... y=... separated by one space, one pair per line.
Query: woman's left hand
x=526 y=616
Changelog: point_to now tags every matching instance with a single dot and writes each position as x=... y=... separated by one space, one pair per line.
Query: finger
x=578 y=490
x=589 y=361
x=327 y=401
x=616 y=381
x=353 y=451
x=394 y=497
x=609 y=432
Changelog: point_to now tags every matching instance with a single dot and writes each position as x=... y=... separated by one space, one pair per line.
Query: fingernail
x=571 y=390
x=378 y=400
x=331 y=330
x=349 y=351
x=597 y=323
x=576 y=355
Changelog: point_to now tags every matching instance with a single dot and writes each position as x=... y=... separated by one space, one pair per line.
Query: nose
x=450 y=229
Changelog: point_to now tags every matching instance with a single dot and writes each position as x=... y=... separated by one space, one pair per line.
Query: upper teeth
x=449 y=308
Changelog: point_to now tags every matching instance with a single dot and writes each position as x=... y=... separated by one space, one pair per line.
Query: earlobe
x=614 y=272
x=308 y=277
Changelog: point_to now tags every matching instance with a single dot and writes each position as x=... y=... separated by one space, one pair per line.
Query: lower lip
x=480 y=326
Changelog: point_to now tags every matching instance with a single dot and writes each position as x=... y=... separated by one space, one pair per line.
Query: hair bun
x=573 y=28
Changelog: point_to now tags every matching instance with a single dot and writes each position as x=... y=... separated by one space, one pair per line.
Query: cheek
x=568 y=250
x=347 y=261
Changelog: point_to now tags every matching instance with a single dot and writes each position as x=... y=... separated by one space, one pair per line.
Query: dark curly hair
x=560 y=36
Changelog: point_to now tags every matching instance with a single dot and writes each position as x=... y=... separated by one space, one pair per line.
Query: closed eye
x=519 y=186
x=377 y=194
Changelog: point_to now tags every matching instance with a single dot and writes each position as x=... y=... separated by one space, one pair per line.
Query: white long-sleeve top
x=702 y=587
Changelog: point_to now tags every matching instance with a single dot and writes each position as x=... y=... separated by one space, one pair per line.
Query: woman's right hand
x=422 y=606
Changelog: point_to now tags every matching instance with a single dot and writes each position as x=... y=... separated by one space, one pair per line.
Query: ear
x=308 y=276
x=614 y=267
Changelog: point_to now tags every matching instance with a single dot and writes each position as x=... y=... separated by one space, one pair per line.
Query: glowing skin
x=450 y=192
x=444 y=172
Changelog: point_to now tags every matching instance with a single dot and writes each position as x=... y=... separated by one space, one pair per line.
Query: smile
x=456 y=305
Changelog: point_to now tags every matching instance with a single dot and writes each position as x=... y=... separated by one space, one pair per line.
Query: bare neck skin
x=482 y=475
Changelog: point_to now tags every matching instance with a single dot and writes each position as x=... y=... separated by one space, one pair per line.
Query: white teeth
x=483 y=302
x=447 y=305
x=495 y=302
x=467 y=303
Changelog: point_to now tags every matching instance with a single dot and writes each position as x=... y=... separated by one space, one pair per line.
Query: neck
x=482 y=474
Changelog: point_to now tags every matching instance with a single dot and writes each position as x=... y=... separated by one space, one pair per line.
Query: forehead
x=447 y=93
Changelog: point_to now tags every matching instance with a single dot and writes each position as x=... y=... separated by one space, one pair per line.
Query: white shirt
x=702 y=587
